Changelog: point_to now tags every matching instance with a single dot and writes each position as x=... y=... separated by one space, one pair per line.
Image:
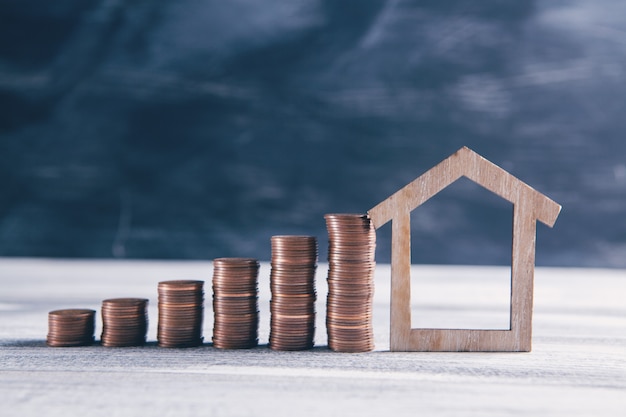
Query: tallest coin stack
x=351 y=250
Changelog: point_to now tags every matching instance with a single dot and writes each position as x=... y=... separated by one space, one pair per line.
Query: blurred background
x=197 y=129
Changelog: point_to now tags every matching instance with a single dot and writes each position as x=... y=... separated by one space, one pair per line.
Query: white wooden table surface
x=577 y=366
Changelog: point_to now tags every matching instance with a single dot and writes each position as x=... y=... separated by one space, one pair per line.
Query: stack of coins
x=235 y=303
x=181 y=310
x=124 y=322
x=292 y=283
x=351 y=250
x=71 y=327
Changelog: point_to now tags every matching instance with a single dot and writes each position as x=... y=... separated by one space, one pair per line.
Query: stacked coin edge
x=292 y=285
x=351 y=265
x=71 y=327
x=124 y=322
x=235 y=303
x=181 y=313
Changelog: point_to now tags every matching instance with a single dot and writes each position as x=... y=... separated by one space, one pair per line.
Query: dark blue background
x=196 y=129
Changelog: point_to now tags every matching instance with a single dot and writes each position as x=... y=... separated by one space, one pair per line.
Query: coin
x=235 y=303
x=292 y=285
x=351 y=253
x=124 y=322
x=71 y=327
x=181 y=311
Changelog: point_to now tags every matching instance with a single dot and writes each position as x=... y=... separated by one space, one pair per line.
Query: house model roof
x=466 y=162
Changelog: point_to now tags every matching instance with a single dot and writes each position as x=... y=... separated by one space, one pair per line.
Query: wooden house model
x=529 y=206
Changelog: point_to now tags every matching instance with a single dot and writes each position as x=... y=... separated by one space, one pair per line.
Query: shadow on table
x=34 y=343
x=41 y=343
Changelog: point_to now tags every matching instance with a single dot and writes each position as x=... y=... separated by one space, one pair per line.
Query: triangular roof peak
x=466 y=162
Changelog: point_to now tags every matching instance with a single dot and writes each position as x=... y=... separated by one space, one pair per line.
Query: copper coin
x=124 y=302
x=180 y=285
x=181 y=311
x=235 y=302
x=70 y=327
x=222 y=344
x=236 y=262
x=292 y=302
x=124 y=322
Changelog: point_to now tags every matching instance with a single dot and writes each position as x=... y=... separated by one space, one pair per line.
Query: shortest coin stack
x=235 y=303
x=292 y=282
x=124 y=322
x=71 y=327
x=181 y=311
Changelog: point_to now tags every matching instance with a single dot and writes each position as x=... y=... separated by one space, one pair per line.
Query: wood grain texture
x=529 y=206
x=400 y=325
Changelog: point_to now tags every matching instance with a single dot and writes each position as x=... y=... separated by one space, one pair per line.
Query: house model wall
x=529 y=206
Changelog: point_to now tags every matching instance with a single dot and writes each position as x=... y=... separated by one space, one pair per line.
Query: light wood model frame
x=528 y=206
